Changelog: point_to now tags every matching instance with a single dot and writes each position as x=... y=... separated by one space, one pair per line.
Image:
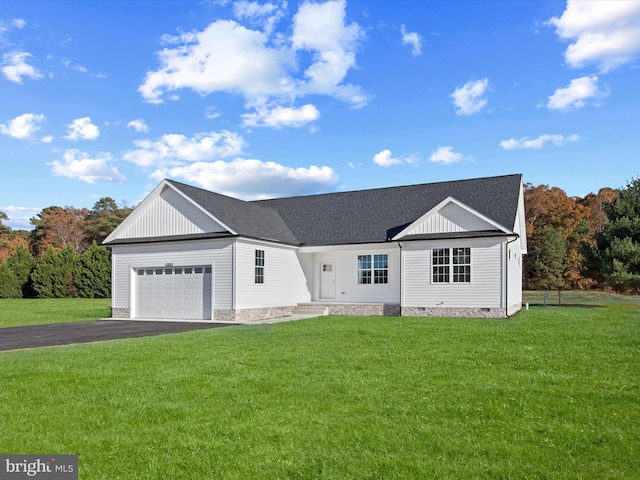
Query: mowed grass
x=36 y=311
x=579 y=297
x=548 y=393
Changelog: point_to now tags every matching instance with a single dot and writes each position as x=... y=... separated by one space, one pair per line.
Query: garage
x=181 y=293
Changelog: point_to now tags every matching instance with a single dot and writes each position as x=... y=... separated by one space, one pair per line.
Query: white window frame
x=375 y=273
x=259 y=267
x=451 y=265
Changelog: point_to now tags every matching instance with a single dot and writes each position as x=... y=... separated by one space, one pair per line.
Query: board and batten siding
x=484 y=291
x=127 y=258
x=345 y=261
x=284 y=281
x=450 y=218
x=168 y=214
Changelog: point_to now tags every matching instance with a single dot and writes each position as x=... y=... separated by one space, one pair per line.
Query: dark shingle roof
x=378 y=214
x=359 y=216
x=245 y=218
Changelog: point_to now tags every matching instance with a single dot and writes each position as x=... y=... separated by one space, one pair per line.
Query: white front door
x=327 y=281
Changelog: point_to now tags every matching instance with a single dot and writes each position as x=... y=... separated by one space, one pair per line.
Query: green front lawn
x=548 y=393
x=579 y=297
x=35 y=311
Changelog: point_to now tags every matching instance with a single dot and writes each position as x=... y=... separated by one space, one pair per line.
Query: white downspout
x=506 y=274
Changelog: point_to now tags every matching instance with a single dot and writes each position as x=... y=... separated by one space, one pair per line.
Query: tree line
x=577 y=243
x=61 y=256
x=582 y=243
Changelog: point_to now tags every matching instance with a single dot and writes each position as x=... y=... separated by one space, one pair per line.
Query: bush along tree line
x=61 y=256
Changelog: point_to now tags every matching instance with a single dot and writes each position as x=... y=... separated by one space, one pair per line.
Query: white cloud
x=470 y=98
x=47 y=139
x=321 y=29
x=265 y=15
x=138 y=125
x=576 y=95
x=23 y=126
x=81 y=166
x=19 y=23
x=526 y=142
x=386 y=159
x=253 y=179
x=267 y=70
x=211 y=112
x=446 y=155
x=19 y=217
x=15 y=67
x=82 y=129
x=604 y=33
x=226 y=57
x=175 y=149
x=413 y=40
x=279 y=117
x=79 y=68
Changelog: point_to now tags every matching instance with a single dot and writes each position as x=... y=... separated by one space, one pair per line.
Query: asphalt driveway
x=15 y=338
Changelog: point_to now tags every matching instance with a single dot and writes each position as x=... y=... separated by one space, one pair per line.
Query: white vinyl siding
x=345 y=261
x=484 y=290
x=284 y=281
x=128 y=258
x=167 y=214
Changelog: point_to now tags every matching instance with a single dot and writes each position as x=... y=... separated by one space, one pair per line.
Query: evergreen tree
x=545 y=261
x=53 y=275
x=617 y=250
x=103 y=218
x=92 y=274
x=9 y=285
x=22 y=263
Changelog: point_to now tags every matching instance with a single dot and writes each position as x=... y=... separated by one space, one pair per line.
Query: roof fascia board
x=460 y=204
x=348 y=247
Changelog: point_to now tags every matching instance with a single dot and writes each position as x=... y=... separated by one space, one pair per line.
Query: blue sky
x=264 y=99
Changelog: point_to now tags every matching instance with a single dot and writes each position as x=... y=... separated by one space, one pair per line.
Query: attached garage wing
x=181 y=293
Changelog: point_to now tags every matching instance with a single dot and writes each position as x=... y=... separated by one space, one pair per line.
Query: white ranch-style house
x=437 y=249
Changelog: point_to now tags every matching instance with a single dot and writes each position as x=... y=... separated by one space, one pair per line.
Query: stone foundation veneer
x=453 y=312
x=362 y=309
x=351 y=309
x=251 y=314
x=120 y=313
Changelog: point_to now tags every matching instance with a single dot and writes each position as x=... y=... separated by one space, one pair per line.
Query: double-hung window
x=451 y=265
x=259 y=266
x=373 y=269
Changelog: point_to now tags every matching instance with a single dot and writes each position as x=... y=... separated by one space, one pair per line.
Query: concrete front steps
x=308 y=310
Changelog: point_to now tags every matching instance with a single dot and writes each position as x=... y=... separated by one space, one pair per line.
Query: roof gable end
x=166 y=211
x=450 y=216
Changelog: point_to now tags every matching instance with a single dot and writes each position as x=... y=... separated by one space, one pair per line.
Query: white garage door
x=174 y=292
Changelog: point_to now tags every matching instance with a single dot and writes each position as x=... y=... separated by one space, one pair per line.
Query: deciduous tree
x=59 y=227
x=556 y=227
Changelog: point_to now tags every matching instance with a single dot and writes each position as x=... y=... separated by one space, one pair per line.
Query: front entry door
x=327 y=281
